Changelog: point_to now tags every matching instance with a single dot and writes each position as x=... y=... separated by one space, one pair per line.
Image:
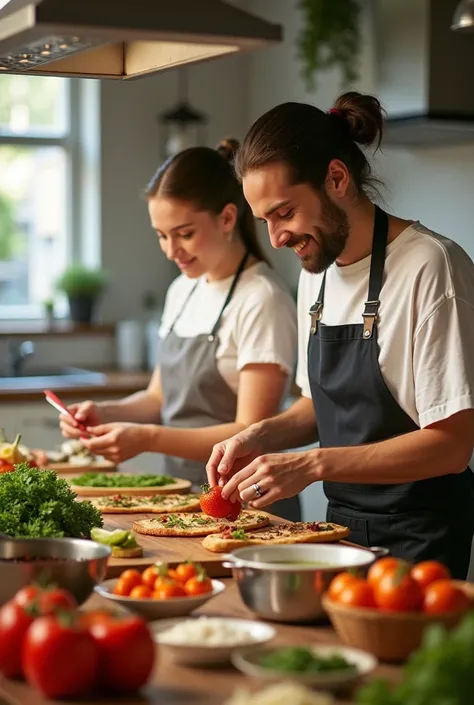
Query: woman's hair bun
x=228 y=148
x=364 y=116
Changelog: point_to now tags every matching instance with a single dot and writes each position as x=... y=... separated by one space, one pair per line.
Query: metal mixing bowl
x=76 y=565
x=281 y=583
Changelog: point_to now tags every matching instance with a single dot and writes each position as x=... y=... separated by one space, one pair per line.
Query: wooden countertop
x=117 y=383
x=172 y=684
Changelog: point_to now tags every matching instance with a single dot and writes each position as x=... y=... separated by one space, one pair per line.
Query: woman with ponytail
x=228 y=332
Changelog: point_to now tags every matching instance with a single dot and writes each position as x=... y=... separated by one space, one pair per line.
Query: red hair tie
x=335 y=111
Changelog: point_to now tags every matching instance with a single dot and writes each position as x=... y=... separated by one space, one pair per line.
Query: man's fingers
x=232 y=486
x=213 y=463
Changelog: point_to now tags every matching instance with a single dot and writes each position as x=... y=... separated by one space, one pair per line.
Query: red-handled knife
x=55 y=401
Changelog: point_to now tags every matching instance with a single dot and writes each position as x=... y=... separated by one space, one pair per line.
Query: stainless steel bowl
x=76 y=565
x=281 y=591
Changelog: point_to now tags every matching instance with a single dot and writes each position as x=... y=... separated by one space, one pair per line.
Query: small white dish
x=151 y=609
x=248 y=661
x=209 y=654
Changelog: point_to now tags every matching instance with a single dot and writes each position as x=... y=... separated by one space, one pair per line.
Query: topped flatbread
x=152 y=504
x=91 y=484
x=198 y=524
x=277 y=534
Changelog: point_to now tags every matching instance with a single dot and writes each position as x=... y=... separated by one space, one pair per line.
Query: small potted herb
x=48 y=307
x=82 y=287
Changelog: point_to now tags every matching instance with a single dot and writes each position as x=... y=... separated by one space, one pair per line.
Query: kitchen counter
x=172 y=684
x=117 y=384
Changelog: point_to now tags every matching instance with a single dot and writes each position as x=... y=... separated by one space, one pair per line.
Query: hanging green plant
x=330 y=37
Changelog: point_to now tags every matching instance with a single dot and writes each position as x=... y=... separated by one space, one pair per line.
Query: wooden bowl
x=390 y=636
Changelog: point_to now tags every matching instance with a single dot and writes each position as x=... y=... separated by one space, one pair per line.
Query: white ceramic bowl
x=158 y=609
x=206 y=655
x=248 y=661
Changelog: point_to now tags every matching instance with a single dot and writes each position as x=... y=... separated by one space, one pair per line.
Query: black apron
x=427 y=519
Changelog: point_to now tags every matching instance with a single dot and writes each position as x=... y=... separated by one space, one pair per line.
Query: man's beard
x=332 y=238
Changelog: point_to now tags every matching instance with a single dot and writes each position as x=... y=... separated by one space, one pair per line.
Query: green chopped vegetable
x=117 y=538
x=239 y=534
x=37 y=503
x=99 y=479
x=302 y=660
x=173 y=520
x=441 y=672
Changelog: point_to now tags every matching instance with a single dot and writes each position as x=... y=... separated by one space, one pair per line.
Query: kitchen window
x=40 y=188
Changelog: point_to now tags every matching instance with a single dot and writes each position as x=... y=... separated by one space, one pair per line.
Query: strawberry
x=214 y=505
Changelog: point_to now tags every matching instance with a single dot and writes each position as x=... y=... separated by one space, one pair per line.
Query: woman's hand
x=278 y=476
x=86 y=412
x=230 y=456
x=118 y=442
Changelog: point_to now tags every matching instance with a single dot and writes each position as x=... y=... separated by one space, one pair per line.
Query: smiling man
x=386 y=345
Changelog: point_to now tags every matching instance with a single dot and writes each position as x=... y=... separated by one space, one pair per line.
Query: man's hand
x=278 y=476
x=230 y=456
x=118 y=442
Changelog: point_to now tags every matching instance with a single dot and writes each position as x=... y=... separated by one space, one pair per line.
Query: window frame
x=71 y=143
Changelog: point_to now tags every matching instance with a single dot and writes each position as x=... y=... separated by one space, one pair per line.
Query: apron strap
x=235 y=280
x=316 y=310
x=183 y=307
x=379 y=245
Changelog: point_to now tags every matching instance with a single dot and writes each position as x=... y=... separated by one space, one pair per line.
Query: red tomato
x=28 y=596
x=60 y=658
x=185 y=571
x=56 y=599
x=126 y=652
x=396 y=591
x=198 y=585
x=214 y=505
x=151 y=573
x=14 y=623
x=338 y=584
x=378 y=568
x=5 y=466
x=427 y=572
x=357 y=593
x=167 y=589
x=442 y=596
x=140 y=592
x=121 y=589
x=131 y=578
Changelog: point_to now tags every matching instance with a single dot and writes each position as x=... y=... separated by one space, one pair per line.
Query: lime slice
x=110 y=538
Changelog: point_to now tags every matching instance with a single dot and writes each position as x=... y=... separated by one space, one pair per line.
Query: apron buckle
x=316 y=314
x=370 y=317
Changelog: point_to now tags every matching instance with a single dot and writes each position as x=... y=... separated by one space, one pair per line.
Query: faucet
x=18 y=354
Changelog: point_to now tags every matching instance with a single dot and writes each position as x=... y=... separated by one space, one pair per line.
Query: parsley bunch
x=37 y=503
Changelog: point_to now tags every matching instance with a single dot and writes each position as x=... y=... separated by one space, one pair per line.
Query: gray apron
x=196 y=395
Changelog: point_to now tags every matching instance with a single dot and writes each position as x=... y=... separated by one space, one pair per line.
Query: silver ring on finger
x=257 y=489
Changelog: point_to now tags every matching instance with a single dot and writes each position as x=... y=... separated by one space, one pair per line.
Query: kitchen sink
x=50 y=377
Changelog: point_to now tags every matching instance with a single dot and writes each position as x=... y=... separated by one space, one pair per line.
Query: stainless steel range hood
x=425 y=73
x=123 y=39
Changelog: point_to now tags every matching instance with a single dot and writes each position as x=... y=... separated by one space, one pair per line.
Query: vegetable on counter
x=302 y=660
x=123 y=543
x=214 y=505
x=159 y=582
x=99 y=479
x=37 y=503
x=10 y=454
x=441 y=672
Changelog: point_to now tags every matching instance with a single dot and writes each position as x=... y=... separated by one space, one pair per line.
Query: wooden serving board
x=68 y=468
x=178 y=487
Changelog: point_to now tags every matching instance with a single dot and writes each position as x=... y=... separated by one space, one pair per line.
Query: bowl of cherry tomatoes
x=161 y=592
x=388 y=612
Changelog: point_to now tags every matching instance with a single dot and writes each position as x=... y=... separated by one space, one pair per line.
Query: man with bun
x=386 y=345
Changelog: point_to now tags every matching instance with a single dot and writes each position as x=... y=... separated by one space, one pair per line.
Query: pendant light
x=182 y=126
x=463 y=18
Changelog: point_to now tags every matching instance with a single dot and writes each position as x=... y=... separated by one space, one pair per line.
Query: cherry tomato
x=198 y=585
x=339 y=583
x=151 y=573
x=121 y=589
x=14 y=623
x=442 y=596
x=357 y=593
x=140 y=592
x=132 y=578
x=171 y=574
x=126 y=652
x=60 y=658
x=89 y=617
x=185 y=571
x=427 y=572
x=168 y=589
x=28 y=596
x=396 y=591
x=50 y=601
x=378 y=568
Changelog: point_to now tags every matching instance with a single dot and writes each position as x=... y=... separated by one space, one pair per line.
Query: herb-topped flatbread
x=299 y=532
x=152 y=504
x=198 y=524
x=91 y=484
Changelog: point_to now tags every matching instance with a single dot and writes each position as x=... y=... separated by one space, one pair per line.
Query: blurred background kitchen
x=82 y=279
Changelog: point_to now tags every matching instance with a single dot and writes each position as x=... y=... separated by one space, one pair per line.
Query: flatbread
x=277 y=534
x=198 y=524
x=152 y=504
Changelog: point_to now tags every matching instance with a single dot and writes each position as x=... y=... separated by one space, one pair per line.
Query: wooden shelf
x=31 y=329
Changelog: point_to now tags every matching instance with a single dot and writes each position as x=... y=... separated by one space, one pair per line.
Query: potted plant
x=82 y=287
x=48 y=308
x=330 y=36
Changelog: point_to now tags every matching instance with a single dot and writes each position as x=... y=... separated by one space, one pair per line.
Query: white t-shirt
x=257 y=326
x=425 y=327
